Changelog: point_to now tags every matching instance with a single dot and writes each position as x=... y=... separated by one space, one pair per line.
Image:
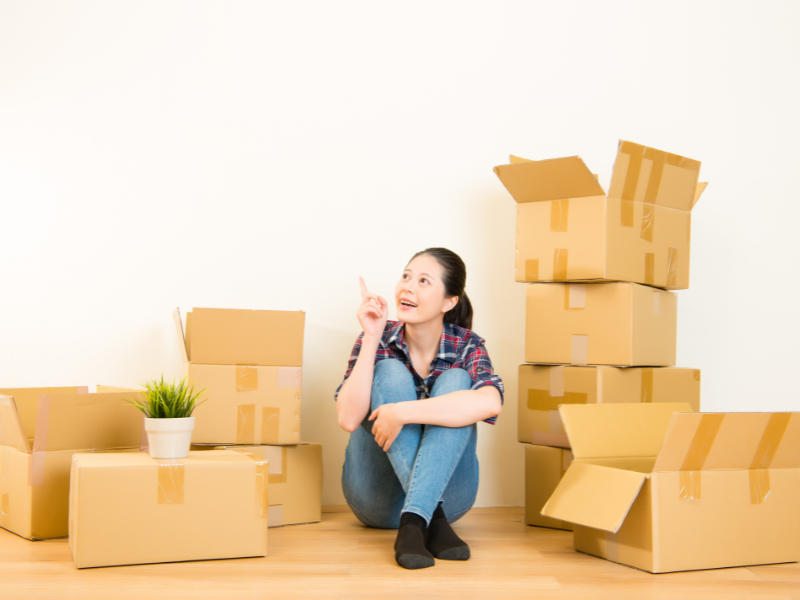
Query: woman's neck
x=424 y=338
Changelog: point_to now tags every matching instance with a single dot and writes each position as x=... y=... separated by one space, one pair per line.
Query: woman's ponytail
x=454 y=278
x=461 y=313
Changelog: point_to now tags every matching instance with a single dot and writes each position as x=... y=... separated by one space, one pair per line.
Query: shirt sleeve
x=350 y=364
x=479 y=366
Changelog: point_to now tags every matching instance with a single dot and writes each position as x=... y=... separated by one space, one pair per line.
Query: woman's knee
x=392 y=382
x=452 y=380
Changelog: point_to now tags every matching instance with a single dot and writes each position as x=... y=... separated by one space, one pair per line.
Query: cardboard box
x=569 y=229
x=620 y=324
x=295 y=481
x=36 y=454
x=664 y=491
x=254 y=387
x=544 y=468
x=543 y=388
x=127 y=509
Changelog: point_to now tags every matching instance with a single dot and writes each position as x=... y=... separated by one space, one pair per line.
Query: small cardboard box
x=622 y=324
x=254 y=388
x=127 y=509
x=668 y=491
x=544 y=468
x=568 y=229
x=543 y=388
x=40 y=431
x=295 y=481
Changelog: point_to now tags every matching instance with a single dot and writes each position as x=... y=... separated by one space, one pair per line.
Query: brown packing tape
x=636 y=153
x=672 y=268
x=702 y=442
x=647 y=386
x=171 y=478
x=245 y=423
x=559 y=215
x=626 y=213
x=263 y=479
x=659 y=159
x=36 y=472
x=246 y=378
x=270 y=425
x=765 y=454
x=532 y=269
x=560 y=260
x=648 y=222
x=650 y=268
x=541 y=400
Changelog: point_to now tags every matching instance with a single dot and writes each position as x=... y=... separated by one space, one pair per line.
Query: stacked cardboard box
x=249 y=362
x=601 y=322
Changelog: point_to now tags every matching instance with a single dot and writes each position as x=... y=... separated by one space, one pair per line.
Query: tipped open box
x=665 y=491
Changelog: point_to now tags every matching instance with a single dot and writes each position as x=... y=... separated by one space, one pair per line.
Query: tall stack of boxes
x=249 y=362
x=601 y=321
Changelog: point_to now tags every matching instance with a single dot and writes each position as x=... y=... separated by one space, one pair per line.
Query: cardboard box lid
x=595 y=496
x=716 y=441
x=617 y=430
x=541 y=180
x=11 y=432
x=83 y=421
x=643 y=174
x=217 y=336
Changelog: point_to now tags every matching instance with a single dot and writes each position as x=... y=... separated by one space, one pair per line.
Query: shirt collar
x=446 y=347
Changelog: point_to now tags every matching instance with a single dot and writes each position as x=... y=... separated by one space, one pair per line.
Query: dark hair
x=454 y=277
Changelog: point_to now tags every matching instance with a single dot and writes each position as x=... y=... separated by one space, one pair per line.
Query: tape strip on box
x=648 y=222
x=575 y=296
x=626 y=213
x=171 y=477
x=672 y=267
x=275 y=516
x=580 y=350
x=532 y=269
x=765 y=454
x=270 y=424
x=612 y=546
x=36 y=473
x=559 y=215
x=560 y=261
x=650 y=268
x=557 y=382
x=290 y=377
x=656 y=303
x=702 y=442
x=245 y=423
x=246 y=378
x=261 y=484
x=647 y=386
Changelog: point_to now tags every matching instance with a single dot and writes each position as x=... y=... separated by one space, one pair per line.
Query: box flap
x=176 y=317
x=594 y=496
x=653 y=176
x=617 y=430
x=701 y=187
x=27 y=402
x=83 y=421
x=541 y=180
x=716 y=441
x=11 y=432
x=270 y=338
x=514 y=160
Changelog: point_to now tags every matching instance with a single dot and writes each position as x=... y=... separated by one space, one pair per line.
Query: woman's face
x=420 y=295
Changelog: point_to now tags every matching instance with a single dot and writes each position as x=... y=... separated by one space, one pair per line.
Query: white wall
x=263 y=155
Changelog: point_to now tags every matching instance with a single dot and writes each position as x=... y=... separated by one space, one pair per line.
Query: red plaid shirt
x=459 y=348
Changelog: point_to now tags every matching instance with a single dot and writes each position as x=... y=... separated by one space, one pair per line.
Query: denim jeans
x=425 y=465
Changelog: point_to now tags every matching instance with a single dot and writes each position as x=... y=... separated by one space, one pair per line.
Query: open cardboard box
x=129 y=509
x=250 y=364
x=622 y=324
x=542 y=389
x=569 y=229
x=40 y=430
x=665 y=491
x=295 y=480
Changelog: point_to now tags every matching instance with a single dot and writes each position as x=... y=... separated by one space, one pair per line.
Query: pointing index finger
x=364 y=291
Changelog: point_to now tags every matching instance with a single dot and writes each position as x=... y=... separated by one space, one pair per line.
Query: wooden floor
x=340 y=559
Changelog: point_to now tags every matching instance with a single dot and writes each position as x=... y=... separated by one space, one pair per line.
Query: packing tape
x=532 y=269
x=626 y=213
x=650 y=268
x=82 y=389
x=171 y=478
x=659 y=159
x=557 y=382
x=278 y=470
x=656 y=303
x=575 y=296
x=245 y=423
x=559 y=215
x=275 y=516
x=36 y=472
x=612 y=546
x=290 y=377
x=246 y=378
x=647 y=386
x=765 y=454
x=672 y=267
x=580 y=350
x=270 y=425
x=696 y=375
x=560 y=260
x=261 y=485
x=543 y=401
x=648 y=222
x=702 y=442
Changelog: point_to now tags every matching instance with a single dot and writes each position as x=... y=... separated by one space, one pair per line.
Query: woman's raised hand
x=372 y=313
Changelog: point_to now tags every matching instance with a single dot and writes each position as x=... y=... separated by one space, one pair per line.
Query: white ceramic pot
x=169 y=438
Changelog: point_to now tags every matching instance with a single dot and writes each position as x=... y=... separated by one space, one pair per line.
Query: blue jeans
x=425 y=465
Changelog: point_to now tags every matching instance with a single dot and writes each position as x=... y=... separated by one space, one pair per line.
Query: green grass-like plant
x=167 y=400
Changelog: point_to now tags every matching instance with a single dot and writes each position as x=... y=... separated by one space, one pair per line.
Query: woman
x=412 y=465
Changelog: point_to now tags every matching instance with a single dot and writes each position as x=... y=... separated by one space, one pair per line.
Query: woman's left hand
x=387 y=424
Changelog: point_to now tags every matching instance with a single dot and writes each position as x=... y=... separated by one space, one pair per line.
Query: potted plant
x=167 y=407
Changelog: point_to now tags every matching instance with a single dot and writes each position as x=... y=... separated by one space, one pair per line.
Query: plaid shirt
x=459 y=348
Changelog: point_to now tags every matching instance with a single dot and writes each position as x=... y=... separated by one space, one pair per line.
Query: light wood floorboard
x=339 y=559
